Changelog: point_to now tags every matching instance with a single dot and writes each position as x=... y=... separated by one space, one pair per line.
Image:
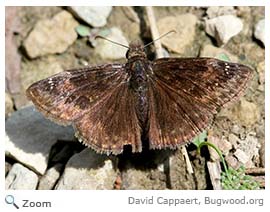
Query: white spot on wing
x=116 y=66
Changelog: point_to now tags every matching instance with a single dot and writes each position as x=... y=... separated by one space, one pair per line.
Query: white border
x=136 y=2
x=267 y=93
x=2 y=98
x=111 y=200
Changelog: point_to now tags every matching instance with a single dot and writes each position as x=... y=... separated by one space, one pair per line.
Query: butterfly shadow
x=146 y=160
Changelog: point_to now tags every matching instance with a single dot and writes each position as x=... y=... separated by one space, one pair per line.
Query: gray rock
x=241 y=156
x=144 y=171
x=215 y=11
x=212 y=51
x=108 y=50
x=259 y=32
x=30 y=136
x=51 y=35
x=88 y=170
x=21 y=178
x=184 y=25
x=245 y=113
x=250 y=146
x=223 y=28
x=147 y=179
x=48 y=181
x=94 y=16
x=247 y=150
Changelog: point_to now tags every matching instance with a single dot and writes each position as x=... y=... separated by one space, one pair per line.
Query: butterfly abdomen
x=139 y=86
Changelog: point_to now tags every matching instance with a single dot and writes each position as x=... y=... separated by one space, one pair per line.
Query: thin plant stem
x=218 y=152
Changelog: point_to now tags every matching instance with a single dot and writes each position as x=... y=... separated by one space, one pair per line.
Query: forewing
x=67 y=96
x=97 y=101
x=186 y=93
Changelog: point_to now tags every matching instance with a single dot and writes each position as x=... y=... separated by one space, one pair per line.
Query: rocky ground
x=41 y=41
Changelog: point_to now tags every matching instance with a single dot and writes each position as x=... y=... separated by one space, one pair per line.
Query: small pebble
x=259 y=32
x=223 y=28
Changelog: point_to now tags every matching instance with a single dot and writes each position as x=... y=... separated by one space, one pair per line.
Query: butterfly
x=167 y=101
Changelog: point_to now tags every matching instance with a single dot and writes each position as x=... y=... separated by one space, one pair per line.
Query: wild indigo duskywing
x=167 y=101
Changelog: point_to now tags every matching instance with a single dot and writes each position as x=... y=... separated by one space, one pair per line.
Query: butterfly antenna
x=98 y=36
x=172 y=31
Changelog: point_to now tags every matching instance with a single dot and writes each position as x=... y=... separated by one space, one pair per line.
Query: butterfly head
x=136 y=49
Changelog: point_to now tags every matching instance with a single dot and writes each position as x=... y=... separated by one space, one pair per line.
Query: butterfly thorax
x=138 y=67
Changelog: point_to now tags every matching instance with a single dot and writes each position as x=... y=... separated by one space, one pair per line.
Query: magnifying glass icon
x=10 y=200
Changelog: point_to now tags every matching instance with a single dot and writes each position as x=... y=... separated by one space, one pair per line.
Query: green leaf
x=224 y=57
x=200 y=138
x=237 y=179
x=83 y=30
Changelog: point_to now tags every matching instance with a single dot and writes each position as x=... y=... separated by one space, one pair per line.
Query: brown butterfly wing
x=186 y=93
x=112 y=124
x=66 y=96
x=93 y=99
